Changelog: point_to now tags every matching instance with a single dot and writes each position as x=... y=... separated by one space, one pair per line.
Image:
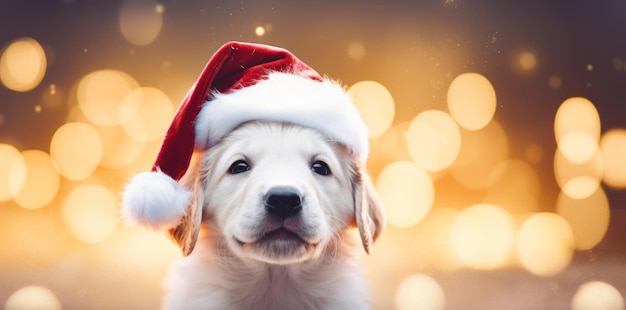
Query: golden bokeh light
x=514 y=185
x=433 y=140
x=33 y=297
x=471 y=100
x=483 y=236
x=545 y=244
x=99 y=104
x=356 y=50
x=481 y=151
x=22 y=65
x=613 y=149
x=527 y=61
x=376 y=105
x=12 y=171
x=76 y=149
x=578 y=180
x=589 y=217
x=41 y=182
x=407 y=192
x=597 y=295
x=90 y=213
x=555 y=82
x=578 y=146
x=140 y=21
x=419 y=291
x=259 y=31
x=145 y=114
x=576 y=114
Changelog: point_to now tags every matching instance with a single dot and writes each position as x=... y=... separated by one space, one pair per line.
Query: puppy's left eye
x=320 y=168
x=239 y=167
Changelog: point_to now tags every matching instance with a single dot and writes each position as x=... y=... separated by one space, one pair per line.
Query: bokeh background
x=497 y=132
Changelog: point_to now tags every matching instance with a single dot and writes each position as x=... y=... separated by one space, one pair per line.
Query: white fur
x=323 y=106
x=232 y=267
x=154 y=200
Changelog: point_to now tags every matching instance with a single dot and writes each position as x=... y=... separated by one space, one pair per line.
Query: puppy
x=275 y=210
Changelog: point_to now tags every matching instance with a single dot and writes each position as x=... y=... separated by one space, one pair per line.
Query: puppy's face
x=278 y=193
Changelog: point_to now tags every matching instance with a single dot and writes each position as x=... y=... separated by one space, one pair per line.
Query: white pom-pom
x=155 y=200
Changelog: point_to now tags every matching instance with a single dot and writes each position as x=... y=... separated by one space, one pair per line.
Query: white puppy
x=275 y=205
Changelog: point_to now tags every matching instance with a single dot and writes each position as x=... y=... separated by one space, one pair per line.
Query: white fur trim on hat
x=323 y=106
x=154 y=200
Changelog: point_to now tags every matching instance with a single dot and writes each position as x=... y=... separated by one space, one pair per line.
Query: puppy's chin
x=280 y=247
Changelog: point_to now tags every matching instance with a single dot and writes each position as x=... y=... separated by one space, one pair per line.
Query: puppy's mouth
x=280 y=234
x=278 y=246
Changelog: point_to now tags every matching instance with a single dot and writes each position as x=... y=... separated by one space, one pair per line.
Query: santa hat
x=241 y=82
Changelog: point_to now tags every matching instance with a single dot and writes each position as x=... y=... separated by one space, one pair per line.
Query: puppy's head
x=280 y=193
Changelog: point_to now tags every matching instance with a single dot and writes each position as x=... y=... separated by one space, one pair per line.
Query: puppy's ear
x=186 y=233
x=368 y=210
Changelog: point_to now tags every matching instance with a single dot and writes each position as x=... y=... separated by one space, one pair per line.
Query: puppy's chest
x=278 y=291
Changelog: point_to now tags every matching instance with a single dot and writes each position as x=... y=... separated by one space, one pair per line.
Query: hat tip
x=154 y=200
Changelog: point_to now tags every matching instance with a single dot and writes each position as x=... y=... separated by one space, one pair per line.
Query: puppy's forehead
x=256 y=138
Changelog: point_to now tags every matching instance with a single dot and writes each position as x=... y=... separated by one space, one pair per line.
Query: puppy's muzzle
x=283 y=201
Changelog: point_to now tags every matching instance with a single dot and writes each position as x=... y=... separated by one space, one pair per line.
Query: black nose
x=283 y=201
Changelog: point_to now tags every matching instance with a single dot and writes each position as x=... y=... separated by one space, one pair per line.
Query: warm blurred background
x=498 y=134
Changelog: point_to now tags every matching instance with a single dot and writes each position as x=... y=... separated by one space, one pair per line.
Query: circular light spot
x=545 y=244
x=578 y=146
x=259 y=31
x=90 y=213
x=613 y=148
x=159 y=8
x=527 y=61
x=481 y=151
x=145 y=114
x=419 y=292
x=356 y=50
x=32 y=297
x=555 y=82
x=41 y=182
x=433 y=140
x=471 y=100
x=101 y=105
x=576 y=114
x=375 y=104
x=12 y=171
x=76 y=149
x=597 y=295
x=22 y=65
x=482 y=236
x=578 y=180
x=407 y=192
x=140 y=21
x=588 y=217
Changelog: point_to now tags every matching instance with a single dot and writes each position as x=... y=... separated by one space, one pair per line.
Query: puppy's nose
x=283 y=201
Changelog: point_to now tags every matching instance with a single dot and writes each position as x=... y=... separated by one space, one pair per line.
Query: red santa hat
x=240 y=83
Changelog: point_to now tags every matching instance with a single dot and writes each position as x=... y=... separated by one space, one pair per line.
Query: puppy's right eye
x=239 y=167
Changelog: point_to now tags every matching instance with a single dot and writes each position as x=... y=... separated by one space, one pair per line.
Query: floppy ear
x=368 y=210
x=186 y=233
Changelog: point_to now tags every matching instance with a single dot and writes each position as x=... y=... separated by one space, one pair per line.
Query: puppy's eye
x=239 y=167
x=320 y=168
